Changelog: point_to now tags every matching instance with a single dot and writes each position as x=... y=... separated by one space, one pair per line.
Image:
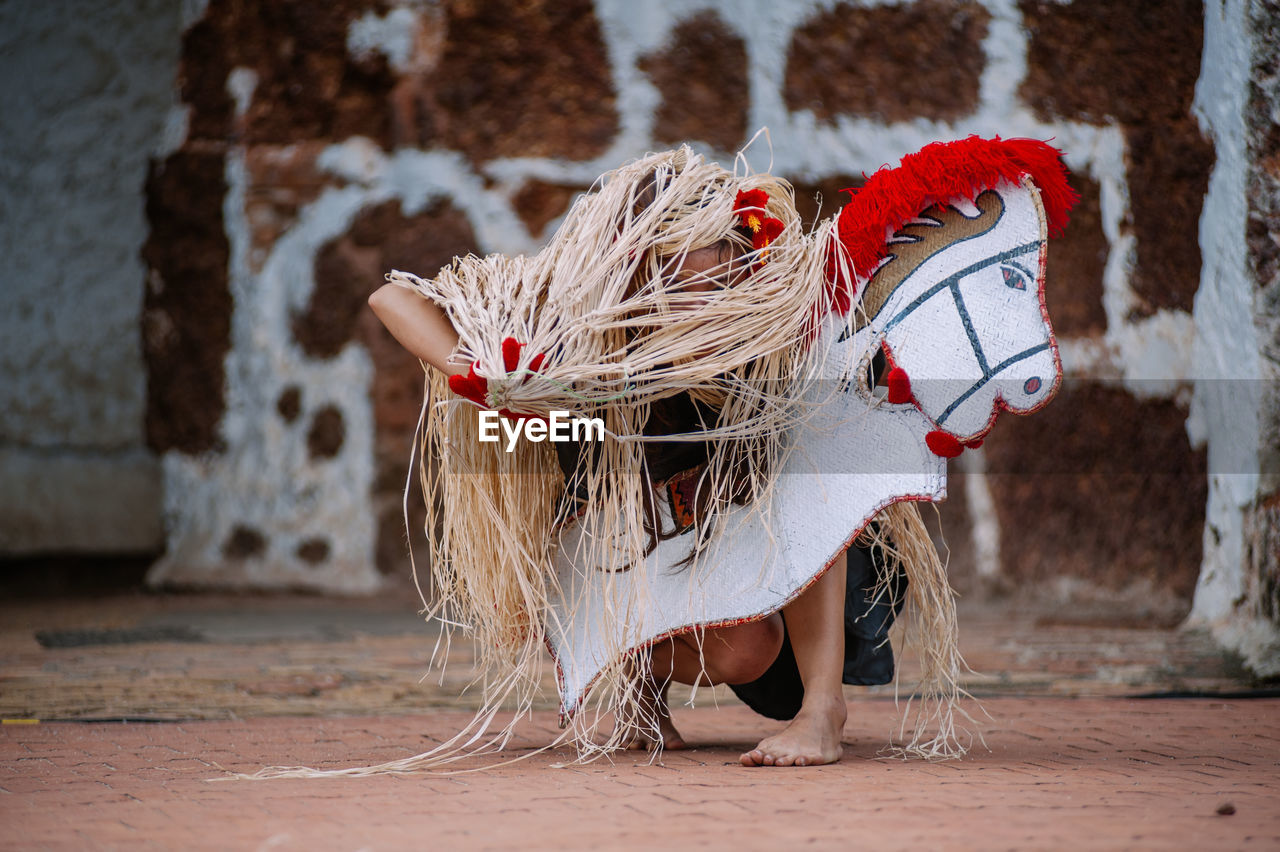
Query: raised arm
x=419 y=325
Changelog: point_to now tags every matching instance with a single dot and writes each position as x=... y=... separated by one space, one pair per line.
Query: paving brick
x=1059 y=771
x=1140 y=774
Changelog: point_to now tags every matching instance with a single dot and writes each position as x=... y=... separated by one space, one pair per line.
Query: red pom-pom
x=973 y=445
x=459 y=385
x=511 y=354
x=899 y=386
x=471 y=386
x=943 y=444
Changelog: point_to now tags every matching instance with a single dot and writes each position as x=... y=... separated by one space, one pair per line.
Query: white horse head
x=959 y=306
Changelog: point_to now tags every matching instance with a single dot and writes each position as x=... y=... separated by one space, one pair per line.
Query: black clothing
x=868 y=659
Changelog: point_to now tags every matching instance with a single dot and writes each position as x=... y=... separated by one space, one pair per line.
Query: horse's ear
x=939 y=174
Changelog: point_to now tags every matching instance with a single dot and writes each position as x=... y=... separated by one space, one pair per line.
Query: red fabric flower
x=767 y=232
x=749 y=205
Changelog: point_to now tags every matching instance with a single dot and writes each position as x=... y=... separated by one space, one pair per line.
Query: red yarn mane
x=941 y=173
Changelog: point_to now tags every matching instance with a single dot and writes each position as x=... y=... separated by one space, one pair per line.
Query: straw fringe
x=929 y=727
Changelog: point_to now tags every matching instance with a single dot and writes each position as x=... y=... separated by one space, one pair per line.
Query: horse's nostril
x=1031 y=385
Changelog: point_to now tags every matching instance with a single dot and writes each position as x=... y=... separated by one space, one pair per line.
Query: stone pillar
x=1237 y=401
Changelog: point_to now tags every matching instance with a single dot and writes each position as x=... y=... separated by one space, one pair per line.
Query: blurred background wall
x=87 y=103
x=198 y=198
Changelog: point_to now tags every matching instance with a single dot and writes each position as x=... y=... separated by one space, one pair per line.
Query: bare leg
x=725 y=655
x=815 y=622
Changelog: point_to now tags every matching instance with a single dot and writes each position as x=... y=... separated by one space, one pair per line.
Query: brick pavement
x=333 y=683
x=315 y=656
x=1097 y=773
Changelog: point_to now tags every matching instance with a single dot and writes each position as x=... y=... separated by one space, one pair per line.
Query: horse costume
x=930 y=278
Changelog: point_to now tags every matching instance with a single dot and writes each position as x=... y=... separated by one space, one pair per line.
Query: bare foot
x=653 y=704
x=671 y=738
x=812 y=738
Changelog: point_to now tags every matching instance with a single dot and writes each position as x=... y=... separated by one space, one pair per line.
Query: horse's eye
x=1014 y=278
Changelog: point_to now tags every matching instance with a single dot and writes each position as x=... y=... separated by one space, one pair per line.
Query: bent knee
x=743 y=653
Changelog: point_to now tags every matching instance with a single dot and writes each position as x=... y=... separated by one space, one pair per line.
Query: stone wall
x=87 y=100
x=327 y=143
